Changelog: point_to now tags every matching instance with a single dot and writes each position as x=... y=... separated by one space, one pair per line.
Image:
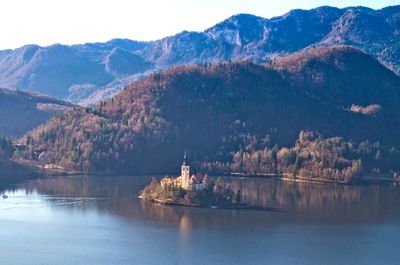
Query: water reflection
x=100 y=220
x=299 y=202
x=333 y=203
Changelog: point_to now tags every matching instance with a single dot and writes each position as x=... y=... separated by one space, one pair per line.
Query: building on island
x=185 y=181
x=185 y=173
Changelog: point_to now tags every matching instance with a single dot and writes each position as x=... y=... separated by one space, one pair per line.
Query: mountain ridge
x=240 y=37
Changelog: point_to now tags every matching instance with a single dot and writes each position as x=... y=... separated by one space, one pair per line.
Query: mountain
x=22 y=111
x=346 y=75
x=58 y=70
x=89 y=73
x=324 y=104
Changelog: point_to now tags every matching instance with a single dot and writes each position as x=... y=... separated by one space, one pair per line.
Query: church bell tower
x=185 y=173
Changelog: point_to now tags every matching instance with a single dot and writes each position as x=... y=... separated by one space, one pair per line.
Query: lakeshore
x=52 y=171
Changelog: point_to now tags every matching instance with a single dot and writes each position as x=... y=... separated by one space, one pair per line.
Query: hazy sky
x=46 y=22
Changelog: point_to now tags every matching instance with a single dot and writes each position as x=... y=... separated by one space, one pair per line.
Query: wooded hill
x=22 y=111
x=333 y=108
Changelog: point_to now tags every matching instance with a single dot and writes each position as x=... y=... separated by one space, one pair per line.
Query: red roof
x=199 y=177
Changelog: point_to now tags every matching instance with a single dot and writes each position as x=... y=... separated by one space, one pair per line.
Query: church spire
x=185 y=172
x=185 y=162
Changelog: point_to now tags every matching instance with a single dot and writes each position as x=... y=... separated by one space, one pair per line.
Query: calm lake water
x=100 y=221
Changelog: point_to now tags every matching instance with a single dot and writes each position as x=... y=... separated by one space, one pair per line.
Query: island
x=197 y=190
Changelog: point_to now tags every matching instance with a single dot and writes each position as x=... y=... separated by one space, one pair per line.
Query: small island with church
x=196 y=190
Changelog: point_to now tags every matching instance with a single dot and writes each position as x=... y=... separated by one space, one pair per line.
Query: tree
x=357 y=167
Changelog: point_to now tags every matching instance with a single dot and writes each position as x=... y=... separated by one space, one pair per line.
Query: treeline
x=88 y=144
x=12 y=172
x=315 y=158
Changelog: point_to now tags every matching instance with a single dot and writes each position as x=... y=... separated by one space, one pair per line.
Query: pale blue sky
x=46 y=22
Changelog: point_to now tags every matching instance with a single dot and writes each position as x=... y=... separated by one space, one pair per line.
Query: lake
x=101 y=221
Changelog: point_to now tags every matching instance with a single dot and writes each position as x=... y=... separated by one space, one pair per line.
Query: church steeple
x=185 y=162
x=185 y=172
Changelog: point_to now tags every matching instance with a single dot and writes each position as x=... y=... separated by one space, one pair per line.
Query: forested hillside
x=283 y=117
x=9 y=169
x=22 y=111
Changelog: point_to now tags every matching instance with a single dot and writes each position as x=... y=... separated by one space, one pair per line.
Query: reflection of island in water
x=299 y=202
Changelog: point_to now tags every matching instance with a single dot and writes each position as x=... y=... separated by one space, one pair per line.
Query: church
x=185 y=181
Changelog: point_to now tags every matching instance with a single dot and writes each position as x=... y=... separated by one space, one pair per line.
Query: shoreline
x=214 y=207
x=365 y=181
x=42 y=171
x=220 y=207
x=281 y=177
